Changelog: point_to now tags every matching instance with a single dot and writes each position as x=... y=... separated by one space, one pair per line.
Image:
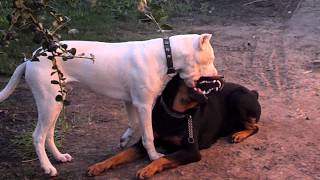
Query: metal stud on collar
x=190 y=130
x=180 y=116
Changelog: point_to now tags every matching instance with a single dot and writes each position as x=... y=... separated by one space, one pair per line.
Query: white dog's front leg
x=147 y=136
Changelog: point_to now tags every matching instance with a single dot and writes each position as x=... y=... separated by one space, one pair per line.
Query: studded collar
x=167 y=50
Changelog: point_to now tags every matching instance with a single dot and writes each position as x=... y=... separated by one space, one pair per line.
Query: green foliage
x=108 y=20
x=24 y=143
x=5 y=7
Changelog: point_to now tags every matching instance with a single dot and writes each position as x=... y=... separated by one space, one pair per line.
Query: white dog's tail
x=13 y=82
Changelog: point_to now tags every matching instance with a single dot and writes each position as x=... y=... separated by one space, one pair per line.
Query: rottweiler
x=187 y=120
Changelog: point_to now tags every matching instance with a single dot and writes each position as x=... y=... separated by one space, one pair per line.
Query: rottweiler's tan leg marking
x=242 y=135
x=156 y=166
x=251 y=129
x=123 y=157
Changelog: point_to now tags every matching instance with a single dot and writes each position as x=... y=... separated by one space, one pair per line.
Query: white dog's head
x=196 y=58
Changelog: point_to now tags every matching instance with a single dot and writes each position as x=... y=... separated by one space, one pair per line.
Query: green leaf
x=54 y=82
x=43 y=54
x=166 y=27
x=52 y=48
x=51 y=58
x=59 y=98
x=73 y=51
x=64 y=46
x=35 y=59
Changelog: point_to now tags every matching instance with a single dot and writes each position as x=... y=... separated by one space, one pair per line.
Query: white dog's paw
x=124 y=142
x=125 y=138
x=155 y=156
x=64 y=158
x=50 y=170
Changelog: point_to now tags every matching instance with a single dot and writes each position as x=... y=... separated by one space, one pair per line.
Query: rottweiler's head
x=181 y=98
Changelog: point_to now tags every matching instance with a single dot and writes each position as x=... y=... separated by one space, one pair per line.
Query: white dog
x=131 y=71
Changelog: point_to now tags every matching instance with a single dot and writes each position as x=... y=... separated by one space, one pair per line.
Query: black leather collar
x=171 y=113
x=167 y=50
x=180 y=116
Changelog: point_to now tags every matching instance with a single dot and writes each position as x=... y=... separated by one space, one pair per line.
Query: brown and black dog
x=184 y=124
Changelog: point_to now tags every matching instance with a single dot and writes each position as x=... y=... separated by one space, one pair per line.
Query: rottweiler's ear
x=255 y=93
x=204 y=39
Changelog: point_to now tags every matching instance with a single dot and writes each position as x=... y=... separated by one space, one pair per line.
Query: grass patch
x=25 y=149
x=108 y=21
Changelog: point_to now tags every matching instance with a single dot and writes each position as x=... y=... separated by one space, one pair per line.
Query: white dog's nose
x=208 y=71
x=215 y=72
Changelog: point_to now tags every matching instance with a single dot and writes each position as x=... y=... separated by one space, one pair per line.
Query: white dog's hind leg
x=38 y=79
x=45 y=118
x=55 y=110
x=132 y=119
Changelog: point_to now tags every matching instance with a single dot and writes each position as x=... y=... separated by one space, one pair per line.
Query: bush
x=99 y=22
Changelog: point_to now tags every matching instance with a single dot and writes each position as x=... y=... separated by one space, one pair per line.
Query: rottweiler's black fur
x=225 y=112
x=222 y=114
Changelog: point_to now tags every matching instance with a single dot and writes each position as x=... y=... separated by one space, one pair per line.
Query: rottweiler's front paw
x=239 y=137
x=146 y=172
x=95 y=169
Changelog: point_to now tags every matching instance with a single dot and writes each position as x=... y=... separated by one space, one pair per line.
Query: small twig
x=143 y=8
x=150 y=16
x=30 y=160
x=252 y=2
x=298 y=5
x=61 y=25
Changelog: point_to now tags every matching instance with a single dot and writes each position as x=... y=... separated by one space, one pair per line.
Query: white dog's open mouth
x=205 y=86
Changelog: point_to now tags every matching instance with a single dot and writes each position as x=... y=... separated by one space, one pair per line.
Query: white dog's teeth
x=198 y=90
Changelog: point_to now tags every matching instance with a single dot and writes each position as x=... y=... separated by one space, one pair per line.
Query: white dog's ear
x=204 y=39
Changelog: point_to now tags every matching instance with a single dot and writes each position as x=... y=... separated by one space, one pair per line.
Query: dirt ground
x=268 y=46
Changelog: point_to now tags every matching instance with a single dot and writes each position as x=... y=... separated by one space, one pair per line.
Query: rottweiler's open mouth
x=205 y=86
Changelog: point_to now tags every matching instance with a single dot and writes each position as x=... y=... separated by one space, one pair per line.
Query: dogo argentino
x=135 y=72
